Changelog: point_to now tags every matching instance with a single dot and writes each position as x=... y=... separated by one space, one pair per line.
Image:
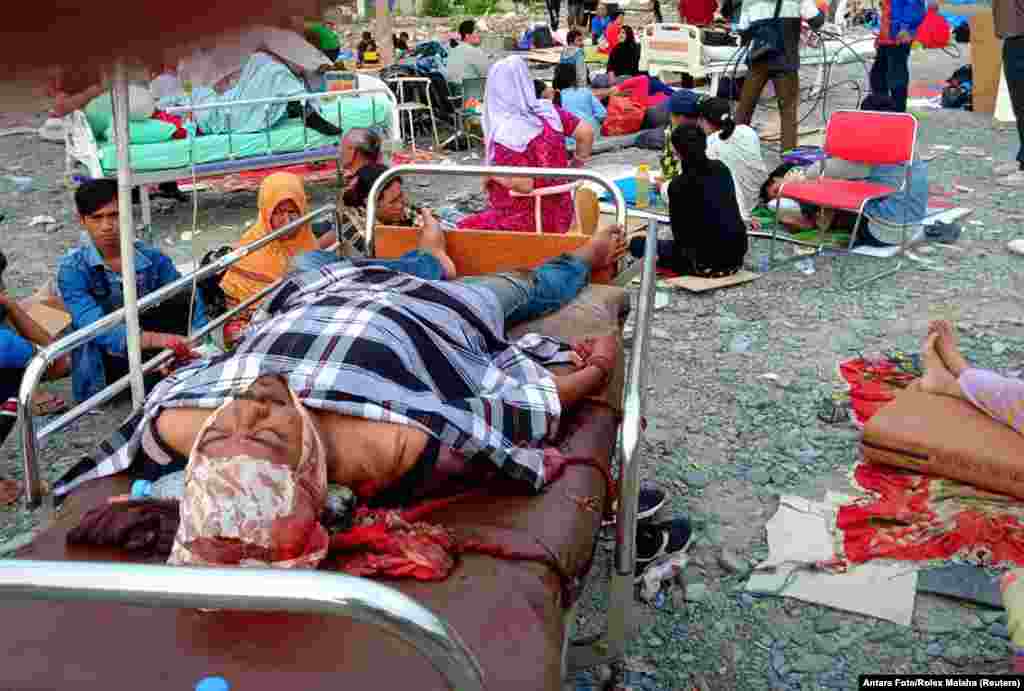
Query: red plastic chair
x=866 y=137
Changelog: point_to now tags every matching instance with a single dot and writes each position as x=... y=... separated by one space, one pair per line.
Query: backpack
x=213 y=295
x=624 y=117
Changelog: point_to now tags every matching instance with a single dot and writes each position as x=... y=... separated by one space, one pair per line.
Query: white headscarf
x=513 y=115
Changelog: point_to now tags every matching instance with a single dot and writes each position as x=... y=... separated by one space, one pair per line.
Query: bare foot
x=432 y=240
x=937 y=379
x=605 y=248
x=947 y=346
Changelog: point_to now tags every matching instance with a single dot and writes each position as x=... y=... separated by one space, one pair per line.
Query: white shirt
x=741 y=153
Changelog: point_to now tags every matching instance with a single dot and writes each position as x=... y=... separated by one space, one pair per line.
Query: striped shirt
x=379 y=345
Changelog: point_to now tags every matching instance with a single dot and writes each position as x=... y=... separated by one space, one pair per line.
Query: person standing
x=1009 y=20
x=780 y=64
x=890 y=73
x=697 y=12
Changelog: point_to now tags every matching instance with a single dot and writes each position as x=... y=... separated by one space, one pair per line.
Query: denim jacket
x=91 y=290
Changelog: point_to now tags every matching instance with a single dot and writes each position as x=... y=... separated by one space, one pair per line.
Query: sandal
x=658 y=540
x=10 y=490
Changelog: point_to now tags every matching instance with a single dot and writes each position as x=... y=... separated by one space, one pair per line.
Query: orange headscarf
x=258 y=270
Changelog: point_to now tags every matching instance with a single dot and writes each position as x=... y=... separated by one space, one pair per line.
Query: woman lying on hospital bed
x=427 y=386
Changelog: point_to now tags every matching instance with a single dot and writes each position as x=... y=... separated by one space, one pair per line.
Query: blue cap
x=213 y=684
x=683 y=102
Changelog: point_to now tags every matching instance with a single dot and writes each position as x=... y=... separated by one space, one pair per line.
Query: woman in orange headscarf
x=282 y=200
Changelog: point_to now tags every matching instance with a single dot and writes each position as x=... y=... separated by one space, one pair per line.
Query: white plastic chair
x=580 y=214
x=412 y=107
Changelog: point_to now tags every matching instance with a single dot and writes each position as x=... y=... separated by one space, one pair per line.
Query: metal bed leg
x=147 y=214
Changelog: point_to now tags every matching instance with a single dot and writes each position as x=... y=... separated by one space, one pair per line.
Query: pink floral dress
x=546 y=150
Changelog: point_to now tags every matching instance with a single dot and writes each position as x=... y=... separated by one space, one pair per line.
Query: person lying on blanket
x=402 y=377
x=947 y=373
x=254 y=63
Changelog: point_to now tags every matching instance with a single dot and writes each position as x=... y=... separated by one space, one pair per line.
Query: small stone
x=827 y=624
x=999 y=631
x=957 y=655
x=732 y=562
x=812 y=663
x=934 y=649
x=696 y=592
x=998 y=348
x=828 y=646
x=696 y=479
x=760 y=477
x=655 y=641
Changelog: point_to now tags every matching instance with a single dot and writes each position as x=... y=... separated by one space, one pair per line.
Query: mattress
x=834 y=50
x=286 y=137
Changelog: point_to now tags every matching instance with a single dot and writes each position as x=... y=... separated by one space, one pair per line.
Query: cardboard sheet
x=696 y=284
x=52 y=320
x=799 y=535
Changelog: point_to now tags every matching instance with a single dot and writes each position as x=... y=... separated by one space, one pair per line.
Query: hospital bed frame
x=323 y=592
x=81 y=146
x=669 y=47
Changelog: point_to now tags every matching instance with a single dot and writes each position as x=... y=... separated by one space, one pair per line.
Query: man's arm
x=574 y=387
x=584 y=136
x=16 y=349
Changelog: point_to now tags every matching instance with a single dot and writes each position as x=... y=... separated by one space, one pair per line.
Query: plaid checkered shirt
x=380 y=345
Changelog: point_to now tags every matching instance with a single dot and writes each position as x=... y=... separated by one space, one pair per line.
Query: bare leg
x=432 y=240
x=937 y=378
x=948 y=347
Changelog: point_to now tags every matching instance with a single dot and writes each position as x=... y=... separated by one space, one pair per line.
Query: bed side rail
x=30 y=439
x=297 y=591
x=634 y=394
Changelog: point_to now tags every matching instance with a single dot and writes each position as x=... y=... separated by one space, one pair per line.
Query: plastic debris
x=667 y=569
x=805 y=266
x=740 y=343
x=41 y=221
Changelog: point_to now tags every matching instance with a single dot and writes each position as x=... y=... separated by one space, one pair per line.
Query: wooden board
x=986 y=61
x=480 y=252
x=52 y=320
x=696 y=284
x=548 y=56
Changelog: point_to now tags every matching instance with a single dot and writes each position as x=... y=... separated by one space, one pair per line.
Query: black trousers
x=1013 y=68
x=170 y=316
x=10 y=382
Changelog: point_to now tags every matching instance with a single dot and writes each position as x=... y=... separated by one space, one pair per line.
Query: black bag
x=542 y=38
x=764 y=38
x=962 y=33
x=213 y=295
x=718 y=38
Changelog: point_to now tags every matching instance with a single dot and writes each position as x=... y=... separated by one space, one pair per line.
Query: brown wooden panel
x=477 y=252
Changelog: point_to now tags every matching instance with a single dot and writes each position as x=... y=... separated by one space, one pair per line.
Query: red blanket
x=917 y=517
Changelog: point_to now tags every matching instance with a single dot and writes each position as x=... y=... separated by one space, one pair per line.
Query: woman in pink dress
x=522 y=130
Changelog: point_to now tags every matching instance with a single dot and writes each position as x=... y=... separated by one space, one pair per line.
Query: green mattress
x=286 y=137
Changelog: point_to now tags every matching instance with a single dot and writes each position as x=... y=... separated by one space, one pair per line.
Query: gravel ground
x=724 y=442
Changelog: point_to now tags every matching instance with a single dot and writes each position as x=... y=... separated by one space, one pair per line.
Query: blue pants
x=890 y=73
x=523 y=295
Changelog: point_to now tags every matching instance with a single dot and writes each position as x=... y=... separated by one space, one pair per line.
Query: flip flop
x=10 y=490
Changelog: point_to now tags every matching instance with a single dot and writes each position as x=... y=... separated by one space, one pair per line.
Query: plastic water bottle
x=643 y=186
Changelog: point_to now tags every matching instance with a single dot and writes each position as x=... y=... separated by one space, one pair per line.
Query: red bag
x=934 y=31
x=624 y=117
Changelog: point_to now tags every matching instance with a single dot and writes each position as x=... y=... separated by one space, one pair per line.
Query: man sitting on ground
x=89 y=282
x=467 y=60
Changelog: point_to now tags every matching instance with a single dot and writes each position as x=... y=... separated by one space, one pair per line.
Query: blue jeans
x=523 y=295
x=890 y=73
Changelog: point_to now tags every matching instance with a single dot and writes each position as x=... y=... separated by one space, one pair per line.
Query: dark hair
x=779 y=172
x=630 y=37
x=93 y=195
x=565 y=76
x=357 y=195
x=367 y=36
x=879 y=102
x=540 y=87
x=466 y=28
x=571 y=37
x=718 y=112
x=404 y=35
x=691 y=144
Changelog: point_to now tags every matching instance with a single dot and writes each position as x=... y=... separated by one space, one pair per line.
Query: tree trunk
x=382 y=29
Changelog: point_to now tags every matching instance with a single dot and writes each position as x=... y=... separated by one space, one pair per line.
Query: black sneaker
x=657 y=540
x=651 y=501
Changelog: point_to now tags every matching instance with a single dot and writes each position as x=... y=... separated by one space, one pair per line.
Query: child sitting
x=366 y=51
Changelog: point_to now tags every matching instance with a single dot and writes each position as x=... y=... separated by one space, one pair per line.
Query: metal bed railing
x=297 y=591
x=30 y=439
x=612 y=645
x=324 y=593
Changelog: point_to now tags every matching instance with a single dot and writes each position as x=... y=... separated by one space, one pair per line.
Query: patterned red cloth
x=917 y=517
x=175 y=120
x=872 y=384
x=547 y=150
